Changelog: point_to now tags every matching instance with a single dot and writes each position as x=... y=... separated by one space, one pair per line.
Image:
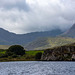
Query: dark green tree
x=15 y=49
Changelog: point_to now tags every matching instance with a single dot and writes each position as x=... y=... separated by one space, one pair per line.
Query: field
x=32 y=53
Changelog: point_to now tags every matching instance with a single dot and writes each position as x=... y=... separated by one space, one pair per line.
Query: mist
x=25 y=16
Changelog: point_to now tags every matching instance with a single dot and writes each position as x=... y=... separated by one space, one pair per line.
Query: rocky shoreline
x=63 y=53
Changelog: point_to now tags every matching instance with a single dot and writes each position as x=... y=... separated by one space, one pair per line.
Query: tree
x=38 y=55
x=15 y=49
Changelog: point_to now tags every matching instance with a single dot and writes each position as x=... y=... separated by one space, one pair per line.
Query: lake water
x=37 y=68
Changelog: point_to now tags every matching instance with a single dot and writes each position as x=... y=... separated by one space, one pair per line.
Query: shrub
x=9 y=53
x=38 y=55
x=15 y=49
x=14 y=56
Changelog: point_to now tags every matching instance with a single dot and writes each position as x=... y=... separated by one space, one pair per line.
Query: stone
x=59 y=53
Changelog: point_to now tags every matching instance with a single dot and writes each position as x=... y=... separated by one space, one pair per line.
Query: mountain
x=8 y=38
x=48 y=42
x=70 y=32
x=43 y=43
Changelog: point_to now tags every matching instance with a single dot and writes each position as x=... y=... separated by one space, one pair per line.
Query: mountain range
x=38 y=40
x=8 y=38
x=48 y=42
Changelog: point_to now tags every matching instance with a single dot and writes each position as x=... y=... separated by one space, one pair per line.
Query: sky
x=25 y=16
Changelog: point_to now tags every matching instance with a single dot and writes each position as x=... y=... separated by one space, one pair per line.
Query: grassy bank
x=28 y=56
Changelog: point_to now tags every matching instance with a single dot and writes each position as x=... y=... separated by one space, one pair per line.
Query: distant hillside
x=70 y=32
x=8 y=38
x=4 y=46
x=44 y=43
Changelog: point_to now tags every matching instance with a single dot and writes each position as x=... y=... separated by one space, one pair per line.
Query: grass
x=2 y=51
x=33 y=53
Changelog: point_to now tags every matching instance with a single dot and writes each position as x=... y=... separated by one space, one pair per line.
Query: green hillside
x=44 y=43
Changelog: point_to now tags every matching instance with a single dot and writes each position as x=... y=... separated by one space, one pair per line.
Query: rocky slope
x=66 y=52
x=49 y=42
x=70 y=32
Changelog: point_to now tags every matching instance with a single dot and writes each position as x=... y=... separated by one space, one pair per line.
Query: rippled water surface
x=37 y=68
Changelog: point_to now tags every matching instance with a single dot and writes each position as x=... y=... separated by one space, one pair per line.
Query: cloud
x=24 y=16
x=19 y=4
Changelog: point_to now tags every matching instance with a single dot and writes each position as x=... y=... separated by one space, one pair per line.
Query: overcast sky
x=24 y=16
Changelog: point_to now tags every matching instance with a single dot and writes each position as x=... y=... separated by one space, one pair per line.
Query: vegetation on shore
x=7 y=55
x=60 y=53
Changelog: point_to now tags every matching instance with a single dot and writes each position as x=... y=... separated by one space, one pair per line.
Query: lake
x=37 y=68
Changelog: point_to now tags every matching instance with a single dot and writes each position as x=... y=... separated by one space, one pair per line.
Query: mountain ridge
x=70 y=32
x=9 y=38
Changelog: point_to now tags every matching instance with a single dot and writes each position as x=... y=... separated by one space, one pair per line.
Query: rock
x=59 y=53
x=73 y=57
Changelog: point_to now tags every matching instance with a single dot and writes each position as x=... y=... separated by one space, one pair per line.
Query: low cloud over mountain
x=24 y=16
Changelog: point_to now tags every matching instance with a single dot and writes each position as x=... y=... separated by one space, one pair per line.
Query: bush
x=14 y=56
x=38 y=55
x=15 y=49
x=9 y=53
